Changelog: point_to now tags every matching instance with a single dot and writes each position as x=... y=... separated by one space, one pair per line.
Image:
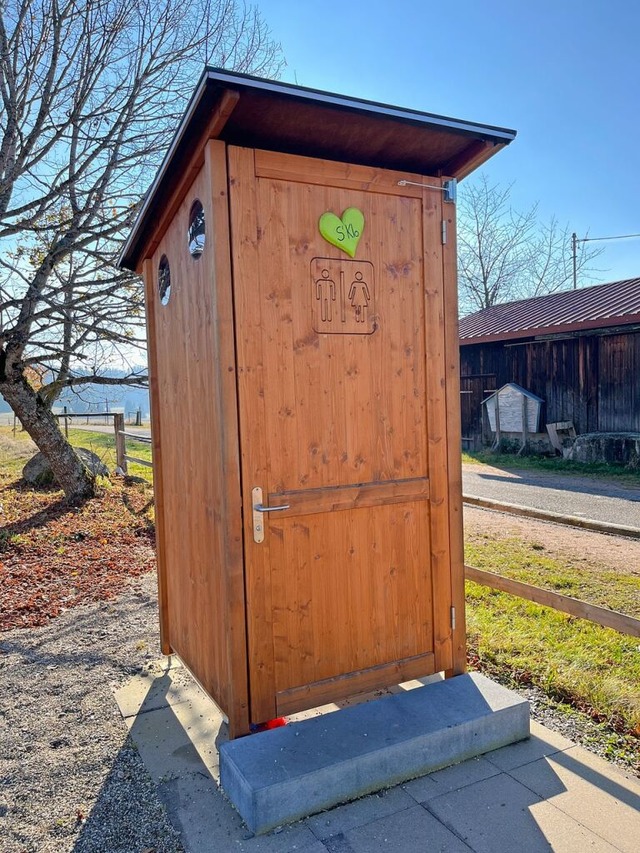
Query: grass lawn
x=590 y=668
x=13 y=457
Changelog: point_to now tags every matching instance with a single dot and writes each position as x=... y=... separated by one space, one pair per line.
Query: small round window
x=196 y=229
x=164 y=280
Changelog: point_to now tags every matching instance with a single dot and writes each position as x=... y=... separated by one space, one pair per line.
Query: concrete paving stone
x=450 y=779
x=590 y=791
x=413 y=830
x=204 y=724
x=154 y=689
x=343 y=818
x=542 y=742
x=564 y=834
x=491 y=814
x=208 y=823
x=164 y=745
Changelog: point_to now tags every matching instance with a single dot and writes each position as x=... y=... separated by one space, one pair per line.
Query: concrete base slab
x=282 y=775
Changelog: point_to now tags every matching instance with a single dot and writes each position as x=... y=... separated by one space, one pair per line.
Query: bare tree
x=505 y=255
x=91 y=92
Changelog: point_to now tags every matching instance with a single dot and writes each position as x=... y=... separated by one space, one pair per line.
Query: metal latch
x=258 y=510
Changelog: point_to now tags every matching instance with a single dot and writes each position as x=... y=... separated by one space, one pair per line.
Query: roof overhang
x=257 y=113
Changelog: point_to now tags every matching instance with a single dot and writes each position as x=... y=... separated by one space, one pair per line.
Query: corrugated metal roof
x=614 y=304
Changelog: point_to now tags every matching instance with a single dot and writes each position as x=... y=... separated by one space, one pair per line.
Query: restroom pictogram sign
x=343 y=297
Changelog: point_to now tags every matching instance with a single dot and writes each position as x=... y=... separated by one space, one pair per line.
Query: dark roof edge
x=496 y=134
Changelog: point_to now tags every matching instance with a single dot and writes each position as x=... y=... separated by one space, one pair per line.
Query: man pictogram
x=326 y=295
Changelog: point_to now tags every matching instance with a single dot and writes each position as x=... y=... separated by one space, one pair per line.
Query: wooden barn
x=578 y=350
x=298 y=253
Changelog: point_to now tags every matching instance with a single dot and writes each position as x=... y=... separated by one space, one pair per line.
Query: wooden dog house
x=298 y=253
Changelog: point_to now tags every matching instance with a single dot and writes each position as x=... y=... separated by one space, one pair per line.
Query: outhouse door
x=341 y=384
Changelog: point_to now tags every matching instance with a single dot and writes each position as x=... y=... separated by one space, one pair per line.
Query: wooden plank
x=251 y=348
x=138 y=461
x=437 y=428
x=118 y=426
x=228 y=444
x=156 y=430
x=592 y=612
x=191 y=170
x=332 y=498
x=454 y=440
x=352 y=683
x=306 y=170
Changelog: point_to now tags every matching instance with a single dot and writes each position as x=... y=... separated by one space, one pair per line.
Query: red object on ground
x=270 y=724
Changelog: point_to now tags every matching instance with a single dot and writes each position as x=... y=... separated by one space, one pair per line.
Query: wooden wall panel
x=195 y=411
x=592 y=380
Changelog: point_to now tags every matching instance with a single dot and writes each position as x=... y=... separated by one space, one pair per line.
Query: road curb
x=558 y=518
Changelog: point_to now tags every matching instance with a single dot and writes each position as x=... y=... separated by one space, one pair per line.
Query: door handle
x=258 y=508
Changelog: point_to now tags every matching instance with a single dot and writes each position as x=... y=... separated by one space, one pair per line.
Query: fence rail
x=592 y=612
x=122 y=457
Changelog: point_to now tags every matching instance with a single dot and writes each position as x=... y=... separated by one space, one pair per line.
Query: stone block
x=279 y=776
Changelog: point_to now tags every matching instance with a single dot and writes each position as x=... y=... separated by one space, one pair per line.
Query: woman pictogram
x=359 y=297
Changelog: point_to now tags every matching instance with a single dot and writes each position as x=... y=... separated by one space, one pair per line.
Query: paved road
x=586 y=497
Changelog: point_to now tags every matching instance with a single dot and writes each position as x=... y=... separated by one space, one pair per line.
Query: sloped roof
x=517 y=387
x=257 y=113
x=614 y=304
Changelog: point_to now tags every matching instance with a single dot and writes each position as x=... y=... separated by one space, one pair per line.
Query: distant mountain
x=101 y=398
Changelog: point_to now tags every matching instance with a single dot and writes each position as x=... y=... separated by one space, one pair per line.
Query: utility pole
x=574 y=248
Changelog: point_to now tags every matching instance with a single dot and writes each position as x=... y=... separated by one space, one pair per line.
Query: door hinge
x=444 y=232
x=453 y=619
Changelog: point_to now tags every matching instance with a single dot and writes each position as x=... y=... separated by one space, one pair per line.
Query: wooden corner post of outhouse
x=298 y=253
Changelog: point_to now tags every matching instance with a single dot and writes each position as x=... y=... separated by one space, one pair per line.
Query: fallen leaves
x=55 y=557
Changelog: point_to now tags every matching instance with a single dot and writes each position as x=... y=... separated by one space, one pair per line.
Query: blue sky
x=564 y=74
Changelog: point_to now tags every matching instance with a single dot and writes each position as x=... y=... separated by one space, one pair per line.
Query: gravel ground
x=70 y=778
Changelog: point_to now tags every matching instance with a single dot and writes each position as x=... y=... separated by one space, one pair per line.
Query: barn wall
x=593 y=381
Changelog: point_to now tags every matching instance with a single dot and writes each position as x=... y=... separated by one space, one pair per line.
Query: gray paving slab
x=294 y=771
x=541 y=794
x=542 y=742
x=450 y=779
x=408 y=831
x=341 y=819
x=590 y=791
x=489 y=815
x=163 y=684
x=208 y=823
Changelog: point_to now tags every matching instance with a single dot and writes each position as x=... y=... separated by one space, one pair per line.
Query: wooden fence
x=122 y=457
x=600 y=615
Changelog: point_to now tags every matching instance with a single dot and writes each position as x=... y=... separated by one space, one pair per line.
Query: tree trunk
x=36 y=417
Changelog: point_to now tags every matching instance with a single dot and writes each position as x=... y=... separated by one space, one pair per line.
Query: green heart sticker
x=343 y=233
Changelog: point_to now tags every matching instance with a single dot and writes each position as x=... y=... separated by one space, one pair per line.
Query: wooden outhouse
x=298 y=253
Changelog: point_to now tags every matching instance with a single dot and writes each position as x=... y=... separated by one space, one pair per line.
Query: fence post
x=118 y=426
x=66 y=423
